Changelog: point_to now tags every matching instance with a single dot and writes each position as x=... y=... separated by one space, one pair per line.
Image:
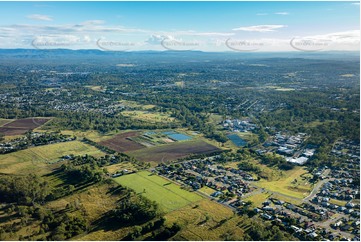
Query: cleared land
x=338 y=202
x=5 y=121
x=36 y=158
x=96 y=88
x=207 y=220
x=258 y=199
x=21 y=126
x=293 y=183
x=153 y=117
x=207 y=190
x=121 y=143
x=174 y=151
x=168 y=195
x=134 y=104
x=90 y=134
x=121 y=166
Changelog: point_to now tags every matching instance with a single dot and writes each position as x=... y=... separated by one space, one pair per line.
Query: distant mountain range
x=56 y=53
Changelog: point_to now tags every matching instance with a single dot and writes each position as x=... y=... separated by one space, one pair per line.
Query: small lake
x=179 y=137
x=236 y=140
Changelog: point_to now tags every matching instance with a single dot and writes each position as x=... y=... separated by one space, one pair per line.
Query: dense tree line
x=26 y=190
x=135 y=209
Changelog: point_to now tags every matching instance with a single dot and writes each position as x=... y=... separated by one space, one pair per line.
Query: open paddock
x=168 y=195
x=21 y=126
x=121 y=143
x=174 y=151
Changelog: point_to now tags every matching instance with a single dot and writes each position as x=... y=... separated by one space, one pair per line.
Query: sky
x=205 y=26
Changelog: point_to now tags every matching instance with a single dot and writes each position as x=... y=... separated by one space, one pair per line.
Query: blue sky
x=207 y=26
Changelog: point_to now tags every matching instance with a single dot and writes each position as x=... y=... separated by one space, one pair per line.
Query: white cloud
x=358 y=4
x=260 y=28
x=261 y=14
x=344 y=41
x=155 y=39
x=58 y=41
x=40 y=17
x=85 y=35
x=282 y=13
x=87 y=39
x=351 y=36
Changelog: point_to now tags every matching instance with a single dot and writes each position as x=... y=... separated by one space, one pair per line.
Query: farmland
x=167 y=116
x=21 y=126
x=168 y=195
x=121 y=143
x=174 y=151
x=36 y=158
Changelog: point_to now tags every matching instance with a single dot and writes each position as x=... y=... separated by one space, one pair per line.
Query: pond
x=179 y=137
x=237 y=140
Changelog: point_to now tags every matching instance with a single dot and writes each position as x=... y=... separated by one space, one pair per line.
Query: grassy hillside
x=36 y=159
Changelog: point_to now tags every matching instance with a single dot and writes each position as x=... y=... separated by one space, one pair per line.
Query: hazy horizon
x=199 y=26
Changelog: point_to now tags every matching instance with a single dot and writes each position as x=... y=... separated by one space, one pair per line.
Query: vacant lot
x=174 y=151
x=21 y=126
x=121 y=143
x=35 y=159
x=152 y=117
x=257 y=199
x=121 y=166
x=292 y=183
x=89 y=134
x=207 y=220
x=207 y=190
x=134 y=104
x=168 y=195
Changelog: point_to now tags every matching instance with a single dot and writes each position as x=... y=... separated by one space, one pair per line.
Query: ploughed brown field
x=174 y=151
x=21 y=126
x=121 y=143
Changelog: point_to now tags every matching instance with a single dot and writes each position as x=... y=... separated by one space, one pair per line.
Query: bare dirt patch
x=122 y=143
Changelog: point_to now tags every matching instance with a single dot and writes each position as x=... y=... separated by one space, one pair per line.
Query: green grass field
x=36 y=158
x=207 y=190
x=168 y=195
